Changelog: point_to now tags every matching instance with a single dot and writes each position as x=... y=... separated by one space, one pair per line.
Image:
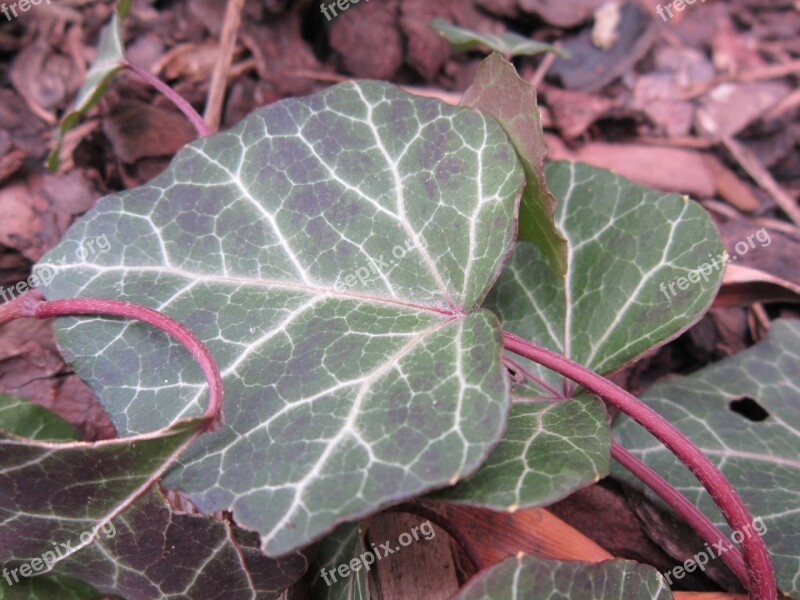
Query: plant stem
x=688 y=511
x=178 y=100
x=32 y=304
x=761 y=577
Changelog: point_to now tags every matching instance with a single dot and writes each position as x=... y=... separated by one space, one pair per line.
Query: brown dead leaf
x=137 y=130
x=743 y=286
x=560 y=13
x=731 y=107
x=424 y=569
x=671 y=169
x=574 y=112
x=32 y=368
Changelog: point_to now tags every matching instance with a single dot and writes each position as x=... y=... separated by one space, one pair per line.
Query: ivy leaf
x=508 y=43
x=109 y=60
x=758 y=453
x=550 y=450
x=624 y=241
x=339 y=548
x=627 y=243
x=114 y=532
x=536 y=578
x=30 y=420
x=498 y=91
x=47 y=587
x=332 y=252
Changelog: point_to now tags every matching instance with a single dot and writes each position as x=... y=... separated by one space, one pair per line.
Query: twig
x=219 y=79
x=762 y=177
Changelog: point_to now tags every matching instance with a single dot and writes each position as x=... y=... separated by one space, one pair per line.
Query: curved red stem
x=178 y=100
x=32 y=304
x=681 y=505
x=761 y=576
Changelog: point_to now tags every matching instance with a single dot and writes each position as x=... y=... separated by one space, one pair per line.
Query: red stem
x=688 y=511
x=759 y=568
x=32 y=304
x=178 y=100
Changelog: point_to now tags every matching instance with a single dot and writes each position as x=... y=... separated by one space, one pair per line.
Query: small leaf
x=508 y=43
x=332 y=252
x=109 y=60
x=550 y=450
x=536 y=578
x=339 y=548
x=498 y=91
x=30 y=420
x=743 y=413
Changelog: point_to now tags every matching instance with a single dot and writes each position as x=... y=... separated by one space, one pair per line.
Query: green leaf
x=508 y=43
x=498 y=91
x=109 y=60
x=332 y=252
x=536 y=578
x=339 y=548
x=759 y=458
x=550 y=450
x=27 y=419
x=113 y=532
x=624 y=242
x=48 y=587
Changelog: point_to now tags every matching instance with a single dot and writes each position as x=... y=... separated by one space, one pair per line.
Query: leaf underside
x=332 y=252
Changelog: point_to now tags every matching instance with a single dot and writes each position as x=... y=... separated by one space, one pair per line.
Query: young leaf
x=332 y=252
x=536 y=578
x=624 y=242
x=508 y=44
x=109 y=60
x=742 y=412
x=498 y=91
